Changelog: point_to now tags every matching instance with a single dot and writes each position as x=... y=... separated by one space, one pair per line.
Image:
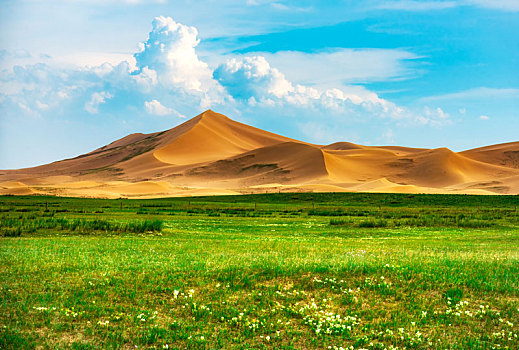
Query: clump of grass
x=338 y=222
x=11 y=231
x=454 y=295
x=326 y=212
x=371 y=223
x=473 y=223
x=145 y=226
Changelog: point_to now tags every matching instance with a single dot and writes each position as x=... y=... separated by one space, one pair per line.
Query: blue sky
x=76 y=75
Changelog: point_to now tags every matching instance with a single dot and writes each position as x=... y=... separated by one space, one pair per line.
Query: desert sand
x=211 y=154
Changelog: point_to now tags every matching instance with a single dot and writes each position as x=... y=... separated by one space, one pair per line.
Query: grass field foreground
x=285 y=271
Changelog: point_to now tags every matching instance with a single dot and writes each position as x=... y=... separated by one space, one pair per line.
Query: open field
x=285 y=271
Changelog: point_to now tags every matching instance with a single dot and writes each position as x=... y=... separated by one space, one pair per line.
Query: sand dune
x=399 y=150
x=211 y=154
x=286 y=162
x=214 y=137
x=358 y=165
x=386 y=186
x=12 y=184
x=441 y=167
x=16 y=188
x=505 y=154
x=342 y=146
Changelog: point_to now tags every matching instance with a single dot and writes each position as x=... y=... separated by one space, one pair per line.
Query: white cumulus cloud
x=170 y=52
x=253 y=81
x=168 y=68
x=248 y=77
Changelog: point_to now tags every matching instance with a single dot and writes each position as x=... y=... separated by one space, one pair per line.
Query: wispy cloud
x=97 y=99
x=505 y=5
x=157 y=108
x=414 y=5
x=476 y=93
x=343 y=66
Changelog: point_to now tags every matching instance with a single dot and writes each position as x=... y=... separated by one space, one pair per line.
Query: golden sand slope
x=212 y=154
x=16 y=188
x=214 y=137
x=505 y=154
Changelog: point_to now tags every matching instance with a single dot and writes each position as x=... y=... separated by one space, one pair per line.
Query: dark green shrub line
x=11 y=227
x=426 y=221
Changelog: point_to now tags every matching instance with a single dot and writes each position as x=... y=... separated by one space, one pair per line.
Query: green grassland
x=283 y=271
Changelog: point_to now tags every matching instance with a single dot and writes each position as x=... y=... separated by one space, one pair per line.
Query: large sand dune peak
x=213 y=154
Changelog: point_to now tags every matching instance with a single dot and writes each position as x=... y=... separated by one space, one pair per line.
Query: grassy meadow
x=282 y=271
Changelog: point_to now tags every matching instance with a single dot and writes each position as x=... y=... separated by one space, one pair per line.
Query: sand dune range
x=212 y=154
